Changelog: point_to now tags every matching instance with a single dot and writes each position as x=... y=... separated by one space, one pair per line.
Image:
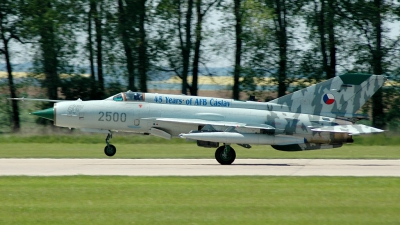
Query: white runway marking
x=199 y=167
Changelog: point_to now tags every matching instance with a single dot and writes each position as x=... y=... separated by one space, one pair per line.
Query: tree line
x=288 y=41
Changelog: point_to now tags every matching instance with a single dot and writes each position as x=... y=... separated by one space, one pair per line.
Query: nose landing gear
x=110 y=149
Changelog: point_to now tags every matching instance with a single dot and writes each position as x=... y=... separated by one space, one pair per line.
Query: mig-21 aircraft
x=321 y=116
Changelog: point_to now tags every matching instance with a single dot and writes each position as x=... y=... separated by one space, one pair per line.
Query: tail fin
x=340 y=96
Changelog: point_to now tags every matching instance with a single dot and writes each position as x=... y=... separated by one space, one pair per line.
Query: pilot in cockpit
x=128 y=96
x=136 y=97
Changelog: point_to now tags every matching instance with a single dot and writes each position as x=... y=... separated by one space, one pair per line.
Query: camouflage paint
x=351 y=91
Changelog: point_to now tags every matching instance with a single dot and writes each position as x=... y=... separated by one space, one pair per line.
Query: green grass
x=47 y=136
x=189 y=151
x=132 y=146
x=199 y=200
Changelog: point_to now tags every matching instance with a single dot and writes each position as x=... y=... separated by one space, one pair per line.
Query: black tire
x=225 y=159
x=110 y=150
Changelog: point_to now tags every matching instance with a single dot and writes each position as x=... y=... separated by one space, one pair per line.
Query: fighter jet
x=321 y=116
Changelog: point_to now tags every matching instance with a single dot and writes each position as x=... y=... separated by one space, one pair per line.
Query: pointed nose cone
x=46 y=113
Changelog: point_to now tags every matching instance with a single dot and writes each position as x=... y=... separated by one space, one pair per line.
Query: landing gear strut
x=110 y=149
x=225 y=155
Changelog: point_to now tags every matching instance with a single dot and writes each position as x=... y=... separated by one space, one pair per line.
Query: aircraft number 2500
x=112 y=116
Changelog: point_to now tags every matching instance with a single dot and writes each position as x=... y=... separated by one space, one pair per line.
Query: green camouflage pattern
x=350 y=91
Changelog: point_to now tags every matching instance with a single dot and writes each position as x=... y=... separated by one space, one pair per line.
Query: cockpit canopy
x=128 y=96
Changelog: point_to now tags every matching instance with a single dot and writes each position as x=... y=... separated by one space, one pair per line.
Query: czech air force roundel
x=328 y=99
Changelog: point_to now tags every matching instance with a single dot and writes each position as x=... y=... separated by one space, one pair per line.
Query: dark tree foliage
x=77 y=87
x=132 y=18
x=97 y=11
x=237 y=11
x=273 y=55
x=126 y=23
x=321 y=61
x=367 y=18
x=200 y=13
x=279 y=45
x=10 y=24
x=49 y=22
x=177 y=48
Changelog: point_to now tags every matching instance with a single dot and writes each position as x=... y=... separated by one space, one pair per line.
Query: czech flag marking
x=328 y=99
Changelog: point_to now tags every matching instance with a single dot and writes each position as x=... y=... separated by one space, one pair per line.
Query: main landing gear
x=225 y=155
x=110 y=149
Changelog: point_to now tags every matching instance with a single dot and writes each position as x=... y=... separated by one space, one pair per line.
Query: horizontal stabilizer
x=350 y=129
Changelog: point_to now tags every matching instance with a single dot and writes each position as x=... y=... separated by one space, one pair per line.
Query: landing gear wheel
x=225 y=155
x=110 y=150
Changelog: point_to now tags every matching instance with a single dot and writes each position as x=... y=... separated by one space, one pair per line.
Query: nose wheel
x=110 y=149
x=225 y=155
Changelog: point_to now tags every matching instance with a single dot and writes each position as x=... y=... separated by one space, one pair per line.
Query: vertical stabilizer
x=339 y=96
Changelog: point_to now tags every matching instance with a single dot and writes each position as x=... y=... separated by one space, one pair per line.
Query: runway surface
x=199 y=167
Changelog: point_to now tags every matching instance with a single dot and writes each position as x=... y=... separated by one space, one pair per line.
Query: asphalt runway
x=199 y=167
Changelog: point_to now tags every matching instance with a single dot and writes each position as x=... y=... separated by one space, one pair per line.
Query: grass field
x=132 y=146
x=199 y=200
x=193 y=200
x=74 y=137
x=137 y=151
